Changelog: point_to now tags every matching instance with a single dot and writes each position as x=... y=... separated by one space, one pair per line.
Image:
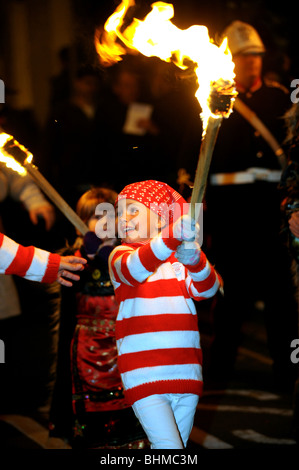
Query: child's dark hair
x=88 y=202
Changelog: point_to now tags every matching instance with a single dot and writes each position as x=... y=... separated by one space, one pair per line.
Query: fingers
x=49 y=220
x=66 y=274
x=188 y=253
x=33 y=217
x=185 y=228
x=72 y=263
x=47 y=212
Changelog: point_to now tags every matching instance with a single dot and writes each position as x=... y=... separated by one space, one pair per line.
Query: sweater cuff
x=168 y=238
x=199 y=266
x=52 y=268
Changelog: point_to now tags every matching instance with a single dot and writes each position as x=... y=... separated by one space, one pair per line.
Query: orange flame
x=9 y=161
x=157 y=36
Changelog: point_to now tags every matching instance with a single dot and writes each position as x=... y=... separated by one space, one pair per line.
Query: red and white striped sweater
x=29 y=262
x=156 y=329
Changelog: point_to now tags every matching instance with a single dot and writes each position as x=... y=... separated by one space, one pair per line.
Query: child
x=156 y=329
x=100 y=416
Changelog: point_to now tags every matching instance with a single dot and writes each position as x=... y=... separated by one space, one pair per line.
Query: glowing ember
x=157 y=36
x=5 y=157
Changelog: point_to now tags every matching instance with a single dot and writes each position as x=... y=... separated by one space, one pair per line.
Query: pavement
x=248 y=413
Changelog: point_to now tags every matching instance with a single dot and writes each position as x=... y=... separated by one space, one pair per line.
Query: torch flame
x=9 y=161
x=157 y=36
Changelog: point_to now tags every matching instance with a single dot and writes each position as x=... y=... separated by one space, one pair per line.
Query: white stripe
x=136 y=268
x=37 y=269
x=164 y=271
x=117 y=267
x=159 y=305
x=201 y=275
x=8 y=252
x=113 y=280
x=158 y=340
x=160 y=250
x=206 y=294
x=144 y=375
x=191 y=305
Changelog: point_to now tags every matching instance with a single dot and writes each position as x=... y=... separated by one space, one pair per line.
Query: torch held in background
x=20 y=154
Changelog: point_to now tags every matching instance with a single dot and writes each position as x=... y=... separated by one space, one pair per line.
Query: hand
x=67 y=264
x=47 y=212
x=294 y=224
x=188 y=253
x=185 y=228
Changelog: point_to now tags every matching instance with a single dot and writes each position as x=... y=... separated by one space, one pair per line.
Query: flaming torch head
x=157 y=36
x=221 y=98
x=13 y=154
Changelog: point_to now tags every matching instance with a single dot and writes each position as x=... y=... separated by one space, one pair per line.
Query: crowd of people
x=131 y=132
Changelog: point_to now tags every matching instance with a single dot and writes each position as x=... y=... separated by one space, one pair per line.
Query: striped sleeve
x=133 y=266
x=202 y=280
x=29 y=262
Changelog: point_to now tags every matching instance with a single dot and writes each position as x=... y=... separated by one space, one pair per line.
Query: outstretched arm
x=133 y=266
x=37 y=265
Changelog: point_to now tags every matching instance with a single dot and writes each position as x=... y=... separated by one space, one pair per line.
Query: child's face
x=136 y=222
x=92 y=222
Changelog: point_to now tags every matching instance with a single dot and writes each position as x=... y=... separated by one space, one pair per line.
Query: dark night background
x=33 y=32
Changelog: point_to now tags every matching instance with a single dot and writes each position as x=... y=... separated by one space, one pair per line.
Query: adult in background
x=244 y=223
x=290 y=229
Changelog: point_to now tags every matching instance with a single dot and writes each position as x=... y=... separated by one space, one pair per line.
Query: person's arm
x=24 y=190
x=133 y=266
x=202 y=280
x=37 y=265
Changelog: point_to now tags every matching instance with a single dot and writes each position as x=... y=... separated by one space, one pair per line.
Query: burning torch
x=157 y=36
x=18 y=158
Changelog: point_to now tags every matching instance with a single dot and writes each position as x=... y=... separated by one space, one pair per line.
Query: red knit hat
x=157 y=196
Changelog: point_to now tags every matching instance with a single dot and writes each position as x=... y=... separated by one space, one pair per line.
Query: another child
x=100 y=416
x=155 y=275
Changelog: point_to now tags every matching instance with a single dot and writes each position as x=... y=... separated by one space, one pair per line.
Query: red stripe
x=1 y=239
x=163 y=386
x=125 y=270
x=200 y=265
x=159 y=357
x=113 y=260
x=207 y=283
x=22 y=261
x=154 y=323
x=168 y=238
x=148 y=258
x=153 y=289
x=52 y=268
